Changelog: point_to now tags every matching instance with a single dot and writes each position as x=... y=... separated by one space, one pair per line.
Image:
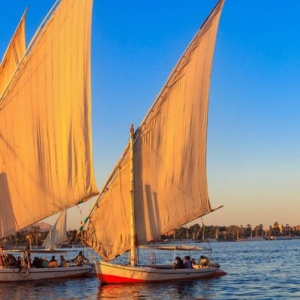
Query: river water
x=256 y=270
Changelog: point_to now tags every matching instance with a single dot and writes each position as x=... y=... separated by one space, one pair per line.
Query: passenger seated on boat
x=37 y=263
x=63 y=262
x=53 y=263
x=19 y=262
x=178 y=264
x=45 y=263
x=5 y=259
x=187 y=262
x=10 y=260
x=79 y=259
x=204 y=261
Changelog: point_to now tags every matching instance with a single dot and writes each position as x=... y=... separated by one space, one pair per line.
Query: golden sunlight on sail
x=46 y=160
x=13 y=55
x=169 y=157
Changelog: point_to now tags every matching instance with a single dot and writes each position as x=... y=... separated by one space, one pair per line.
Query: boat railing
x=152 y=258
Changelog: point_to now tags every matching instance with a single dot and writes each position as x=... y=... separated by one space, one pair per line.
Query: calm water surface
x=256 y=270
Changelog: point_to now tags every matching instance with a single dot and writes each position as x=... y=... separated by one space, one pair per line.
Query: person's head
x=177 y=258
x=44 y=258
x=201 y=256
x=61 y=257
x=80 y=252
x=185 y=258
x=53 y=258
x=188 y=257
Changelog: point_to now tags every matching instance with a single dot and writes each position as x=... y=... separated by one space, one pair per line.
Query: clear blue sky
x=253 y=158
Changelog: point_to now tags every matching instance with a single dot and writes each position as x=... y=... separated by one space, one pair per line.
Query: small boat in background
x=255 y=239
x=58 y=233
x=281 y=237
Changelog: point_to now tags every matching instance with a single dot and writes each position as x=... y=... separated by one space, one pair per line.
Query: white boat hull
x=113 y=273
x=14 y=274
x=282 y=238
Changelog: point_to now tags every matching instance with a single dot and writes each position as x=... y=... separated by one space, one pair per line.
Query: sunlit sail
x=46 y=160
x=58 y=233
x=13 y=55
x=160 y=182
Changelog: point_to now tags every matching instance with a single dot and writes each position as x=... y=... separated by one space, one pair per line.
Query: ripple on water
x=256 y=270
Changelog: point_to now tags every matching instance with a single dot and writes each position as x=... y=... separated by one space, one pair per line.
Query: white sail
x=13 y=55
x=169 y=157
x=46 y=161
x=58 y=233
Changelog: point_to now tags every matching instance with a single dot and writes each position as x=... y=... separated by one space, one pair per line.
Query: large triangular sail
x=13 y=55
x=58 y=233
x=169 y=157
x=46 y=161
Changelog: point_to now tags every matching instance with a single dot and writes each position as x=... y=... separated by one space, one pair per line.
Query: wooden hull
x=13 y=275
x=113 y=273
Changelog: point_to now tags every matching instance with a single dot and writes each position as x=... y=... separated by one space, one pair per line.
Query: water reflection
x=125 y=291
x=77 y=288
x=200 y=289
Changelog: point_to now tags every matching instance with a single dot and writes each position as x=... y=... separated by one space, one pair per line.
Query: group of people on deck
x=9 y=261
x=188 y=263
x=44 y=263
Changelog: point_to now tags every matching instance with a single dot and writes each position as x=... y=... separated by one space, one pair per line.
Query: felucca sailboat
x=160 y=182
x=58 y=233
x=45 y=126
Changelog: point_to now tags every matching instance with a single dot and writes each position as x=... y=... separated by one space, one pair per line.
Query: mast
x=203 y=232
x=217 y=233
x=133 y=236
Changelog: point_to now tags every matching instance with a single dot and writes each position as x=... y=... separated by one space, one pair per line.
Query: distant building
x=277 y=227
x=296 y=228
